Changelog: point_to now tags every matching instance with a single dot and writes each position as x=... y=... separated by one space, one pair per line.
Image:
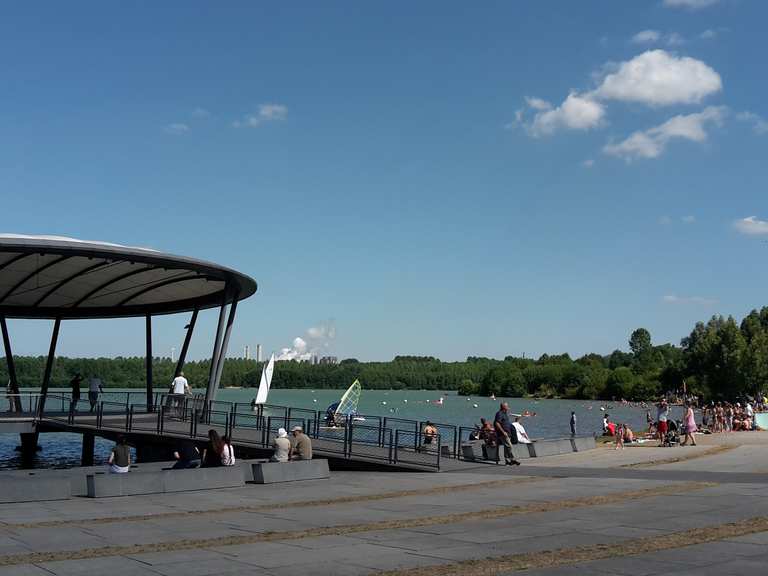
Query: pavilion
x=58 y=278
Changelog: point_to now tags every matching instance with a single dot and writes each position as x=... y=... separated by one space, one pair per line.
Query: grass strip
x=282 y=505
x=691 y=456
x=576 y=555
x=344 y=529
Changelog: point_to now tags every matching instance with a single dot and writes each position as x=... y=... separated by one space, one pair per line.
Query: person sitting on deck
x=212 y=452
x=120 y=458
x=187 y=456
x=430 y=433
x=282 y=447
x=522 y=435
x=301 y=446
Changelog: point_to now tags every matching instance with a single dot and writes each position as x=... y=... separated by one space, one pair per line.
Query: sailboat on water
x=266 y=380
x=346 y=407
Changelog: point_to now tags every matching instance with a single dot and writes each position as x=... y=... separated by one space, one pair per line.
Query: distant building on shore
x=329 y=360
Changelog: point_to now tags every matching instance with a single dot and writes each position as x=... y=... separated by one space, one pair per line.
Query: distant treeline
x=719 y=359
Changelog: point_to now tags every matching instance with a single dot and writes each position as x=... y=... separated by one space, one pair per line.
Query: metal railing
x=373 y=438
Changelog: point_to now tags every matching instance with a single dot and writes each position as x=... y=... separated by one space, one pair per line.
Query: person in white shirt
x=227 y=452
x=180 y=385
x=282 y=447
x=522 y=435
x=94 y=389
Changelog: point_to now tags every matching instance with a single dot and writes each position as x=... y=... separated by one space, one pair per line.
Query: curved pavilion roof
x=53 y=276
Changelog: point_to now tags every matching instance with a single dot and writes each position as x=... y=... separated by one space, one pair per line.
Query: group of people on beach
x=727 y=417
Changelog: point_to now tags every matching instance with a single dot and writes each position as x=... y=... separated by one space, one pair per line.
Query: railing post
x=439 y=440
x=71 y=418
x=348 y=443
x=129 y=419
x=397 y=442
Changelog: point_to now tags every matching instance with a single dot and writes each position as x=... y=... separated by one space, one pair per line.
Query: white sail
x=348 y=403
x=266 y=380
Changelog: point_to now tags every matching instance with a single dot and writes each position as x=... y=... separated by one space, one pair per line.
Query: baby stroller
x=672 y=437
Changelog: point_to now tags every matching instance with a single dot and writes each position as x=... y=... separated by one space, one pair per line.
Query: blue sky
x=441 y=178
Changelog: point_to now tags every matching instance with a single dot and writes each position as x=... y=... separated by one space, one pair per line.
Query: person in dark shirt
x=120 y=458
x=505 y=433
x=187 y=456
x=573 y=423
x=75 y=384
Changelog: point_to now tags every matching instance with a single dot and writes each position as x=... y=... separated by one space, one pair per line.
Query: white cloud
x=658 y=78
x=647 y=37
x=538 y=103
x=588 y=163
x=689 y=219
x=651 y=143
x=266 y=113
x=176 y=129
x=674 y=39
x=708 y=34
x=759 y=124
x=656 y=37
x=665 y=220
x=577 y=112
x=674 y=299
x=690 y=4
x=752 y=226
x=200 y=113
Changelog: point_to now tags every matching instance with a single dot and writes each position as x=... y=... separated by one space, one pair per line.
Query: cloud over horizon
x=752 y=226
x=266 y=113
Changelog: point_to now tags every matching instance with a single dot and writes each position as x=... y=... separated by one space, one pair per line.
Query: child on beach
x=619 y=437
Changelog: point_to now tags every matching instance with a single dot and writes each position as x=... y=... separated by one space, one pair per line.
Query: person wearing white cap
x=301 y=445
x=282 y=447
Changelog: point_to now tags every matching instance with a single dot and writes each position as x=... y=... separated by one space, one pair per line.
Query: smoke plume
x=317 y=341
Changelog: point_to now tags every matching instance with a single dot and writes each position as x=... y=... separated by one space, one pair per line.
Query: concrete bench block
x=583 y=443
x=551 y=447
x=103 y=485
x=272 y=472
x=472 y=450
x=34 y=489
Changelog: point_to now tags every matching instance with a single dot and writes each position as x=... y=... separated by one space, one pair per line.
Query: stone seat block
x=550 y=447
x=583 y=443
x=101 y=485
x=34 y=488
x=272 y=472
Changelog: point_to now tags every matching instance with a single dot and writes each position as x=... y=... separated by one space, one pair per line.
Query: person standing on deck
x=94 y=389
x=505 y=433
x=75 y=385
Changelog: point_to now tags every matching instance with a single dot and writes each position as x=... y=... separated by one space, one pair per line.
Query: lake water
x=550 y=421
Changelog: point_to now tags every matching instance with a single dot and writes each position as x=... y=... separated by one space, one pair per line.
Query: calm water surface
x=551 y=418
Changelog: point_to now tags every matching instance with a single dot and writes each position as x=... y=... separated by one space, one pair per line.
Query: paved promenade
x=631 y=512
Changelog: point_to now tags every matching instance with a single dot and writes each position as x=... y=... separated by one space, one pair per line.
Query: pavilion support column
x=150 y=394
x=209 y=391
x=185 y=346
x=89 y=444
x=11 y=366
x=49 y=365
x=225 y=344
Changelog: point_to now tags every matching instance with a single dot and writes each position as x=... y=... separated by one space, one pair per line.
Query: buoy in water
x=474 y=405
x=383 y=402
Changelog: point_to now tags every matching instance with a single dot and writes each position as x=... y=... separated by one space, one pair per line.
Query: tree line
x=721 y=358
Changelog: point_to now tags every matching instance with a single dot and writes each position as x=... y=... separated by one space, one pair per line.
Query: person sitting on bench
x=120 y=458
x=187 y=456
